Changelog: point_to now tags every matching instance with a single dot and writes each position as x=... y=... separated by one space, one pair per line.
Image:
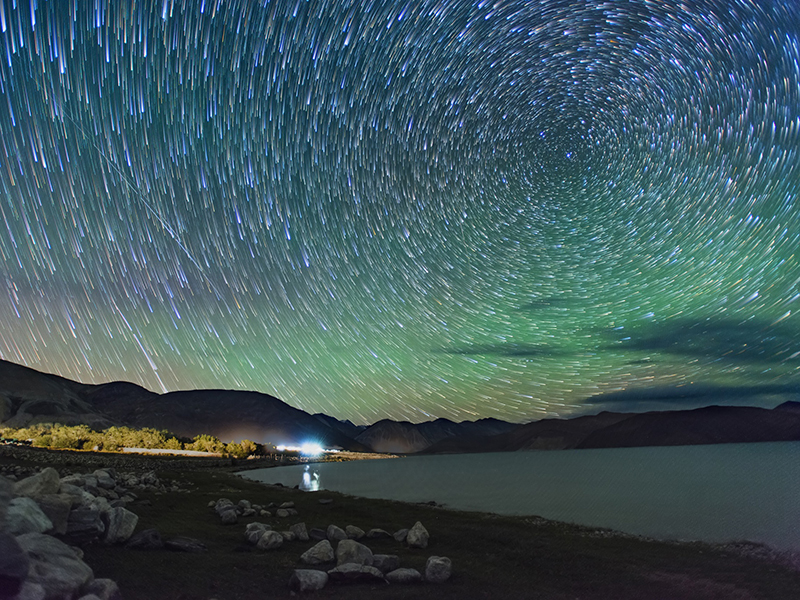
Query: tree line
x=113 y=439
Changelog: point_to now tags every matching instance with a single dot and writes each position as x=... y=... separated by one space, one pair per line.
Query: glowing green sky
x=378 y=209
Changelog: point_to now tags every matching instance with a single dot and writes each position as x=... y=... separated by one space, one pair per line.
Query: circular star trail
x=407 y=210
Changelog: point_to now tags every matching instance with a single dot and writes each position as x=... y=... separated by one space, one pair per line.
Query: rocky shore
x=46 y=518
x=82 y=530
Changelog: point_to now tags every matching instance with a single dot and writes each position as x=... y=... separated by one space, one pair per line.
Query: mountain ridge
x=28 y=396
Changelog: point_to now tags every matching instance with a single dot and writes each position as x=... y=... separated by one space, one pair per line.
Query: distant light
x=307 y=449
x=311 y=449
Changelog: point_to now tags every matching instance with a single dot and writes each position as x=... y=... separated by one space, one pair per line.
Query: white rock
x=104 y=589
x=352 y=572
x=307 y=580
x=417 y=536
x=300 y=531
x=45 y=482
x=354 y=533
x=438 y=569
x=30 y=591
x=269 y=540
x=120 y=525
x=319 y=553
x=404 y=576
x=350 y=551
x=54 y=565
x=335 y=533
x=25 y=516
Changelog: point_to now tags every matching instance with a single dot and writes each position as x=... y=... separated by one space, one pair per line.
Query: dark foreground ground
x=493 y=557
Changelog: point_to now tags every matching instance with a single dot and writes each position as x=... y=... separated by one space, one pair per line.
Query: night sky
x=412 y=210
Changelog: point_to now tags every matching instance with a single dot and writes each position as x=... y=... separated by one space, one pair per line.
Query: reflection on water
x=310 y=481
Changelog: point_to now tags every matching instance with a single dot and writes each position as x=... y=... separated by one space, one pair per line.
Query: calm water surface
x=713 y=493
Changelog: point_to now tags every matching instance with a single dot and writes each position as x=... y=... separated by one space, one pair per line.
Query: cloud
x=545 y=303
x=692 y=396
x=504 y=349
x=753 y=340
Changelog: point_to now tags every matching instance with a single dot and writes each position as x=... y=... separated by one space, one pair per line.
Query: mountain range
x=28 y=396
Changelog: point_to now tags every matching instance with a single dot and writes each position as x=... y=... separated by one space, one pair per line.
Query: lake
x=714 y=493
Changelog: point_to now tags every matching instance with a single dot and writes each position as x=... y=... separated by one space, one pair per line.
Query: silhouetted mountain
x=346 y=427
x=789 y=406
x=547 y=434
x=708 y=425
x=404 y=437
x=28 y=396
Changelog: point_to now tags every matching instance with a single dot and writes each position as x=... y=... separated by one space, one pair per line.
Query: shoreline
x=492 y=554
x=679 y=523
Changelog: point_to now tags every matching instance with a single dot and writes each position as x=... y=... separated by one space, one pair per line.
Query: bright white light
x=311 y=449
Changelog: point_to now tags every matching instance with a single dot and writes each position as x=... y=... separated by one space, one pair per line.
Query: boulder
x=229 y=517
x=307 y=580
x=269 y=540
x=254 y=531
x=54 y=565
x=147 y=539
x=386 y=563
x=120 y=525
x=282 y=513
x=150 y=478
x=104 y=589
x=104 y=479
x=335 y=534
x=6 y=493
x=438 y=569
x=84 y=524
x=25 y=516
x=45 y=482
x=90 y=484
x=244 y=504
x=350 y=551
x=322 y=552
x=378 y=533
x=289 y=504
x=352 y=573
x=185 y=544
x=72 y=492
x=223 y=504
x=56 y=507
x=100 y=503
x=76 y=479
x=288 y=536
x=30 y=591
x=354 y=533
x=14 y=565
x=404 y=576
x=317 y=534
x=400 y=535
x=300 y=531
x=417 y=536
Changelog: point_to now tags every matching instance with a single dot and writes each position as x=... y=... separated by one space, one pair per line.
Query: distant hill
x=707 y=425
x=407 y=438
x=28 y=397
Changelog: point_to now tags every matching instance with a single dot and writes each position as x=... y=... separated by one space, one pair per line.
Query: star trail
x=403 y=209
